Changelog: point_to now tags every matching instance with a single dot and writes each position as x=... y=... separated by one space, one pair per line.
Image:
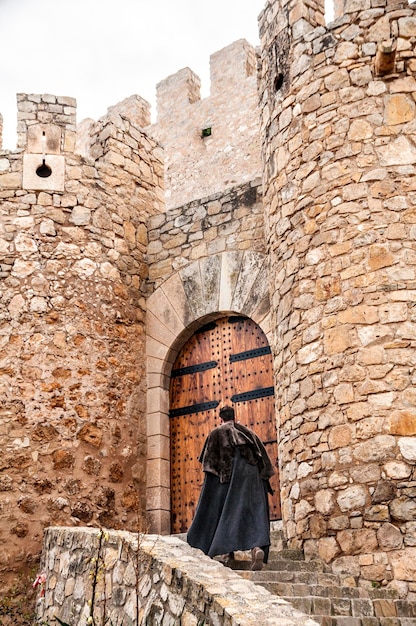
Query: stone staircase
x=329 y=599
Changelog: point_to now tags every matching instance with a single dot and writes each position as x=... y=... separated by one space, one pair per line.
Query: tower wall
x=72 y=324
x=339 y=148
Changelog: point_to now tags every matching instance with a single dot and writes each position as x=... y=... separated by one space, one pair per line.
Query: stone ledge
x=176 y=583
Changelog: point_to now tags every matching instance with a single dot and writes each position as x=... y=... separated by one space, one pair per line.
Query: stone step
x=355 y=607
x=281 y=565
x=329 y=599
x=347 y=620
x=286 y=555
x=324 y=591
x=397 y=621
x=294 y=576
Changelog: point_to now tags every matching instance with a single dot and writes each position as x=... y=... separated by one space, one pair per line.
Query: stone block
x=158 y=474
x=159 y=521
x=157 y=424
x=43 y=173
x=10 y=180
x=157 y=401
x=399 y=109
x=158 y=498
x=338 y=339
x=158 y=447
x=403 y=423
x=44 y=139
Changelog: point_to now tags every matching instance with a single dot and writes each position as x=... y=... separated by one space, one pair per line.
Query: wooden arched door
x=227 y=361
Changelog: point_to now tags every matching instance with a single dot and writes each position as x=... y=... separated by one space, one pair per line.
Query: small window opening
x=278 y=82
x=206 y=132
x=43 y=171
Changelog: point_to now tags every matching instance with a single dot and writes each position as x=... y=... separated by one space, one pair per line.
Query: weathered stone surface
x=328 y=549
x=403 y=509
x=389 y=537
x=91 y=434
x=203 y=591
x=399 y=152
x=352 y=498
x=333 y=240
x=404 y=564
x=399 y=109
x=385 y=491
x=397 y=470
x=337 y=340
x=377 y=513
x=357 y=541
x=403 y=423
x=325 y=501
x=407 y=446
x=72 y=297
x=377 y=449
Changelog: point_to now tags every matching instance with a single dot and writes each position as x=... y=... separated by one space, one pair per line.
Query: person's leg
x=257 y=559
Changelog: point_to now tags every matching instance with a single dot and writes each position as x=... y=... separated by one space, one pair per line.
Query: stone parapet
x=148 y=579
x=339 y=147
x=38 y=112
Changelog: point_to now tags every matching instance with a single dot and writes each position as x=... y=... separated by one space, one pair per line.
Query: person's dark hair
x=227 y=413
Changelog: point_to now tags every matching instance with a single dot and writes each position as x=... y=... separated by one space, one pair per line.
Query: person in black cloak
x=233 y=508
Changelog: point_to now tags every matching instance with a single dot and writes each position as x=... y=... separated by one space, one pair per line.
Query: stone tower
x=339 y=150
x=73 y=237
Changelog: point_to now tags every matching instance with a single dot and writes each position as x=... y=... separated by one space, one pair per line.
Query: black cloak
x=233 y=510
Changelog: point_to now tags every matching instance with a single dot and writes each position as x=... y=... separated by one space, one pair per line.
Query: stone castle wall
x=72 y=324
x=339 y=150
x=96 y=278
x=231 y=220
x=198 y=166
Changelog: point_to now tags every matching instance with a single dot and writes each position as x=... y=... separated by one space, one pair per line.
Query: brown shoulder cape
x=218 y=451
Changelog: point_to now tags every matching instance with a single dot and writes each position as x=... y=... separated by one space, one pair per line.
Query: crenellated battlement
x=212 y=143
x=176 y=92
x=38 y=113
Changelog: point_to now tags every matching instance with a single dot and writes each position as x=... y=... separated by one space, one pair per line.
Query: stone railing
x=92 y=576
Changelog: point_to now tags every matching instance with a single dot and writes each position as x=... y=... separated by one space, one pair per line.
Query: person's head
x=227 y=413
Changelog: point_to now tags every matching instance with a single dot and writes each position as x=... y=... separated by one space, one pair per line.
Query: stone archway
x=231 y=282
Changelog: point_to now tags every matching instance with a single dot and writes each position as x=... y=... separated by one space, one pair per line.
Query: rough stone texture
x=72 y=324
x=232 y=220
x=149 y=579
x=339 y=148
x=198 y=166
x=327 y=270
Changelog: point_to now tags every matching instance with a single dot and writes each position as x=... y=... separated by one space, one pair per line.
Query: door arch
x=226 y=361
x=233 y=281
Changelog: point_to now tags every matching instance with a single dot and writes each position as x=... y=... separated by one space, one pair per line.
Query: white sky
x=102 y=51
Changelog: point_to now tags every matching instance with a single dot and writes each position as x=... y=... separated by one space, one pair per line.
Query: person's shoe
x=257 y=556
